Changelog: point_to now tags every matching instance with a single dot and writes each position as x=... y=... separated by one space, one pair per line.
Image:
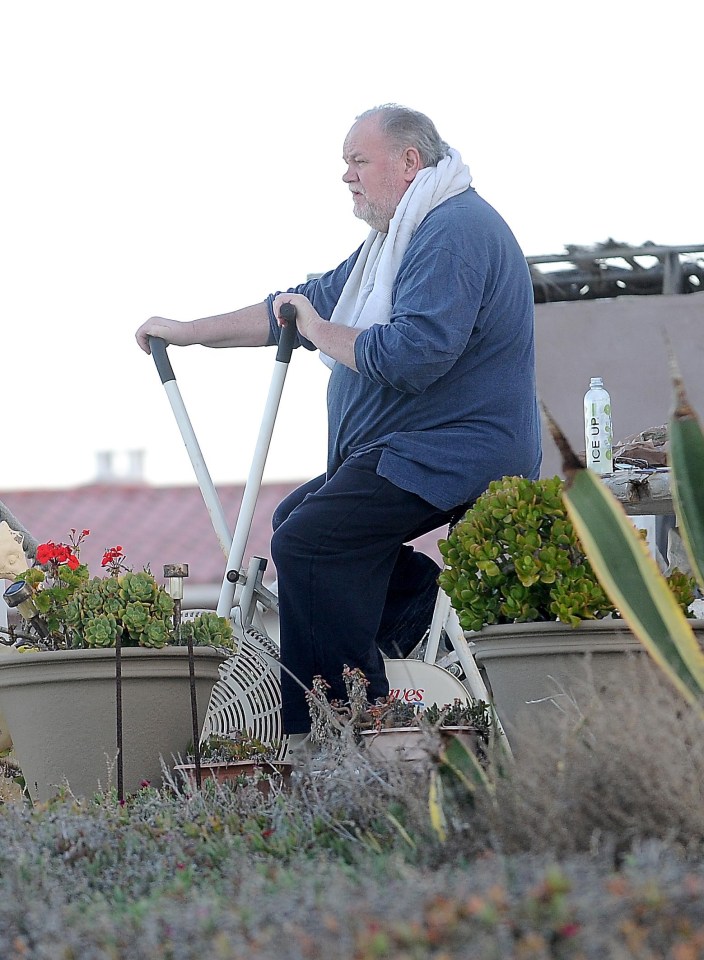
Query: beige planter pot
x=532 y=668
x=60 y=710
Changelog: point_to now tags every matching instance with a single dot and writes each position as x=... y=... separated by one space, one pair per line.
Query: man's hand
x=307 y=317
x=173 y=331
x=333 y=339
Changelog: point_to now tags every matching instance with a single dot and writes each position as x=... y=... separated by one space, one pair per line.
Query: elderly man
x=428 y=331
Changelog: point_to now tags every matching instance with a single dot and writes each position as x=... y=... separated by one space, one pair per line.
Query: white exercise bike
x=247 y=697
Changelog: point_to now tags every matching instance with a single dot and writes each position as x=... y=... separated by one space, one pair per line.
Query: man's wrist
x=196 y=331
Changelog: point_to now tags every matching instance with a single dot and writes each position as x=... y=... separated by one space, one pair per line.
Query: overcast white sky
x=183 y=159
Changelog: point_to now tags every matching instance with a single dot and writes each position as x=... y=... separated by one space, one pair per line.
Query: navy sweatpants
x=349 y=585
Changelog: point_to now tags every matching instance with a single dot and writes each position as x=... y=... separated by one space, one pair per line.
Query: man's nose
x=348 y=176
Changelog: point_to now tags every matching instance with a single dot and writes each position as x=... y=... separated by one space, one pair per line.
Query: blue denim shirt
x=447 y=388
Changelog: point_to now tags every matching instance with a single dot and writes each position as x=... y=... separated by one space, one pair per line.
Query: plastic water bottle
x=598 y=430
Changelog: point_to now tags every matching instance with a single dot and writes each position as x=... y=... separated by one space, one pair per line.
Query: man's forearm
x=248 y=327
x=334 y=339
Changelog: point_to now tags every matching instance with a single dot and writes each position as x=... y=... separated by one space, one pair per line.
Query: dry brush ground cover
x=588 y=845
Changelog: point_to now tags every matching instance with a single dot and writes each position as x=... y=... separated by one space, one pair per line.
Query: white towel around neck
x=366 y=296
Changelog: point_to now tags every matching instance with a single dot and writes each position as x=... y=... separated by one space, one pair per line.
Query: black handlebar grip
x=288 y=332
x=163 y=365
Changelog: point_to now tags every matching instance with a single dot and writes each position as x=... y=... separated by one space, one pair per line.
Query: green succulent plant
x=473 y=713
x=237 y=746
x=206 y=629
x=83 y=612
x=100 y=631
x=515 y=558
x=132 y=606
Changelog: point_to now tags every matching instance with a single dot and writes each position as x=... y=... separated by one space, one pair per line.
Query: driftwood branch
x=642 y=492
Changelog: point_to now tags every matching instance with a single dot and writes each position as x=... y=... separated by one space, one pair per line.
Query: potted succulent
x=396 y=730
x=528 y=599
x=392 y=728
x=237 y=758
x=58 y=682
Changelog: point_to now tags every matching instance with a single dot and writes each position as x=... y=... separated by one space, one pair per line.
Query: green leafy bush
x=515 y=558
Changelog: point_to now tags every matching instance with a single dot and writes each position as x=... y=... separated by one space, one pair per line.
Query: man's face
x=377 y=173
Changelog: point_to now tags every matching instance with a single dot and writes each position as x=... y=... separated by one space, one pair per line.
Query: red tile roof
x=154 y=525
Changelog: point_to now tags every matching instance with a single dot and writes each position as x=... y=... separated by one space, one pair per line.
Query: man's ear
x=411 y=163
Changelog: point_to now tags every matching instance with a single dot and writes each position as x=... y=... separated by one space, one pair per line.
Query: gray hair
x=409 y=128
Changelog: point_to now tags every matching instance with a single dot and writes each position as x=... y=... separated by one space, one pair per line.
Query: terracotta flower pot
x=60 y=710
x=410 y=743
x=235 y=772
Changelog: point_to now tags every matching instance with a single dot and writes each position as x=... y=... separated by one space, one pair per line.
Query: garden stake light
x=174 y=574
x=21 y=595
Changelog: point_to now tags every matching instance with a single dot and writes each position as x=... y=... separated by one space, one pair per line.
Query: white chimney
x=135 y=465
x=125 y=467
x=104 y=468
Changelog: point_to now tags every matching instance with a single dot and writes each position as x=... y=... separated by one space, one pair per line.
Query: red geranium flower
x=57 y=553
x=45 y=551
x=111 y=555
x=114 y=560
